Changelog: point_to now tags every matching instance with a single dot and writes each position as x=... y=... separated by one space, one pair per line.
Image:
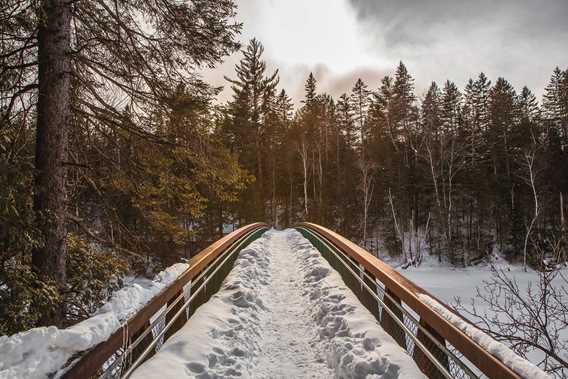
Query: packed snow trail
x=282 y=312
x=289 y=341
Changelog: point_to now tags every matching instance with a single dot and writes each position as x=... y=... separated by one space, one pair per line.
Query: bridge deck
x=282 y=312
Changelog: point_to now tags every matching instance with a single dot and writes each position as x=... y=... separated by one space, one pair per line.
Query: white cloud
x=340 y=40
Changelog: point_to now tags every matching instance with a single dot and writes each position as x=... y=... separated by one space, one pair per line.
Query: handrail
x=91 y=362
x=408 y=293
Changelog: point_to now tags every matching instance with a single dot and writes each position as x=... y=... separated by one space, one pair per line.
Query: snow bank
x=358 y=346
x=518 y=364
x=38 y=352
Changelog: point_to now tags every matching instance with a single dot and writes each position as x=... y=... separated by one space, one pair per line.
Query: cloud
x=328 y=81
x=522 y=40
x=337 y=85
x=418 y=22
x=342 y=40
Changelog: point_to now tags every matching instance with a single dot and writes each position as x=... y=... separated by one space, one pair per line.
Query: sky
x=438 y=40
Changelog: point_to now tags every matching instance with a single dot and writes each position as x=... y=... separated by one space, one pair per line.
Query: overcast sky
x=342 y=40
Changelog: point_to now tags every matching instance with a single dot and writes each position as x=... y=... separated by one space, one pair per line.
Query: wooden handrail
x=408 y=292
x=89 y=364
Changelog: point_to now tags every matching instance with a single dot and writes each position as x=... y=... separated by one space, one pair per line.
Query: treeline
x=115 y=156
x=461 y=171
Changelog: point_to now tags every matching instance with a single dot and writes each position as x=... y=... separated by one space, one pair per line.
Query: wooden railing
x=135 y=337
x=398 y=294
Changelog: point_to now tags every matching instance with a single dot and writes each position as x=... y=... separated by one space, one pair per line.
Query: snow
x=281 y=312
x=521 y=366
x=449 y=284
x=127 y=301
x=39 y=352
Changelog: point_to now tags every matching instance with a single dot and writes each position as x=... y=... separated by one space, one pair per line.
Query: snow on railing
x=515 y=362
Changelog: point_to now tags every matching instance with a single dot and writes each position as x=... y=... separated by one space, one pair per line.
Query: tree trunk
x=562 y=218
x=260 y=195
x=273 y=202
x=304 y=156
x=54 y=115
x=338 y=181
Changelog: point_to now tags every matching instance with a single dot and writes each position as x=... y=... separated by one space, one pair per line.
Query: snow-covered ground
x=39 y=352
x=282 y=312
x=450 y=284
x=521 y=366
x=447 y=282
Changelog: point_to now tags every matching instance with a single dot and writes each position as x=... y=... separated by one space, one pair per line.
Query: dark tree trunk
x=54 y=37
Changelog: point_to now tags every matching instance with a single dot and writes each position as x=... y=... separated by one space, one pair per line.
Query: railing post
x=387 y=321
x=422 y=361
x=178 y=324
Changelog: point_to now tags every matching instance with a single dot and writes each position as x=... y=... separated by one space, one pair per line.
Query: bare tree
x=367 y=186
x=303 y=151
x=530 y=320
x=421 y=235
x=444 y=170
x=398 y=230
x=529 y=160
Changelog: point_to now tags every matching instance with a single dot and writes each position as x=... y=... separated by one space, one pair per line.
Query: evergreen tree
x=403 y=110
x=555 y=114
x=360 y=101
x=431 y=111
x=502 y=117
x=252 y=90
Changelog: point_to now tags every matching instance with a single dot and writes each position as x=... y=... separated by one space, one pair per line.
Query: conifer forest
x=118 y=157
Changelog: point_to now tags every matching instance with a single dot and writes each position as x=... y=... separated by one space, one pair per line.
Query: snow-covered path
x=282 y=312
x=290 y=341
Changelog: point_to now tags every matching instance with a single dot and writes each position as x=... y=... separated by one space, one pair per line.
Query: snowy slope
x=282 y=312
x=38 y=352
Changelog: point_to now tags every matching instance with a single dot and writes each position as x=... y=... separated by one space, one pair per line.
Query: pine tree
x=360 y=101
x=528 y=117
x=310 y=89
x=451 y=109
x=69 y=62
x=431 y=111
x=552 y=104
x=502 y=117
x=251 y=105
x=555 y=114
x=431 y=114
x=403 y=111
x=345 y=122
x=54 y=113
x=283 y=159
x=476 y=124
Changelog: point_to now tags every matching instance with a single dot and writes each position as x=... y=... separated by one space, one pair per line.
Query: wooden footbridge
x=439 y=347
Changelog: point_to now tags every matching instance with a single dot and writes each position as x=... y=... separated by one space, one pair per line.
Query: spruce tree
x=251 y=105
x=360 y=101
